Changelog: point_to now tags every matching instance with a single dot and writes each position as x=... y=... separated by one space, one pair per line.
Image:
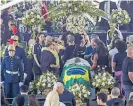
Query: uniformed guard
x=20 y=53
x=12 y=73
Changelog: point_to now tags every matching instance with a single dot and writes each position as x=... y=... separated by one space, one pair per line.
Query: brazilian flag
x=76 y=73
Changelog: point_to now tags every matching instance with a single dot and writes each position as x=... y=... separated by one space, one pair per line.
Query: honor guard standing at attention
x=20 y=53
x=12 y=73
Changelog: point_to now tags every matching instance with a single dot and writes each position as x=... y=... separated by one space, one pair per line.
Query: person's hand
x=2 y=82
x=86 y=56
x=131 y=95
x=20 y=84
x=52 y=65
x=39 y=65
x=25 y=76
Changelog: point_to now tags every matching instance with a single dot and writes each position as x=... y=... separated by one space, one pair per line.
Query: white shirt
x=62 y=104
x=112 y=53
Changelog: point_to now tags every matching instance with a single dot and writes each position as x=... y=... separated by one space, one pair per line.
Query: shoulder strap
x=74 y=50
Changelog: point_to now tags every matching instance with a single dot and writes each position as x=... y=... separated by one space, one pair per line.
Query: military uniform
x=20 y=53
x=12 y=74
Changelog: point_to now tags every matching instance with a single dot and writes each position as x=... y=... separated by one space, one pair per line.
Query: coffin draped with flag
x=76 y=71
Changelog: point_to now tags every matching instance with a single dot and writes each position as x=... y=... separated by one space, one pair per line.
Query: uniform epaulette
x=16 y=57
x=6 y=56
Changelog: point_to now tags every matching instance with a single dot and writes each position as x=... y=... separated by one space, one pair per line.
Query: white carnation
x=32 y=20
x=103 y=84
x=85 y=95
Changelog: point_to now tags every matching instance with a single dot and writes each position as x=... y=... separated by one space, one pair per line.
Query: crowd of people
x=51 y=53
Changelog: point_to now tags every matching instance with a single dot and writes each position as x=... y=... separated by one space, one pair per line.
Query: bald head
x=130 y=51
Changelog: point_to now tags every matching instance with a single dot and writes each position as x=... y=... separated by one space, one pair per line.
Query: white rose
x=27 y=16
x=77 y=88
x=38 y=16
x=104 y=78
x=88 y=93
x=80 y=95
x=98 y=80
x=126 y=16
x=99 y=74
x=104 y=74
x=96 y=77
x=32 y=20
x=44 y=80
x=93 y=83
x=84 y=91
x=31 y=13
x=103 y=84
x=114 y=16
x=48 y=78
x=119 y=21
x=43 y=84
x=85 y=95
x=69 y=5
x=120 y=13
x=109 y=83
x=76 y=9
x=96 y=85
x=49 y=85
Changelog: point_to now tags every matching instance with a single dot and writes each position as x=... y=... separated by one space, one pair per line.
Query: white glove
x=25 y=76
x=1 y=83
x=20 y=84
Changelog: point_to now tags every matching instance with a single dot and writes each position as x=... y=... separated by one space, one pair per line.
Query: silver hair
x=58 y=85
x=115 y=91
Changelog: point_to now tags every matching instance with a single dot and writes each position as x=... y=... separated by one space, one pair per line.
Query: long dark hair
x=121 y=46
x=38 y=35
x=100 y=48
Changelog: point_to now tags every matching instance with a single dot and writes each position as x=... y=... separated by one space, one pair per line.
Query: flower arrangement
x=72 y=12
x=120 y=17
x=103 y=80
x=74 y=23
x=2 y=50
x=46 y=81
x=34 y=20
x=80 y=91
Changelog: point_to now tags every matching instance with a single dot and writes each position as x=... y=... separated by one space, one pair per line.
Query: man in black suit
x=106 y=6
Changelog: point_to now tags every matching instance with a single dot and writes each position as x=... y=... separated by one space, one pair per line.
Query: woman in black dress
x=101 y=57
